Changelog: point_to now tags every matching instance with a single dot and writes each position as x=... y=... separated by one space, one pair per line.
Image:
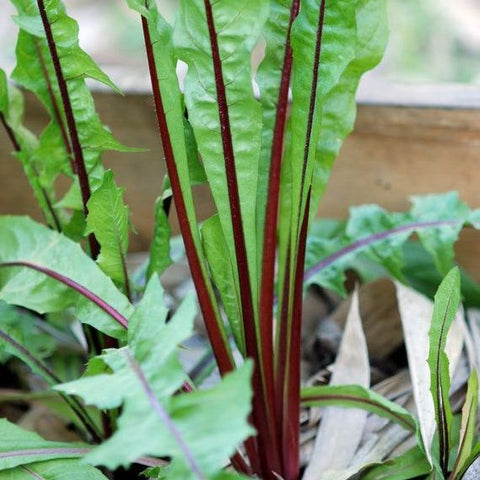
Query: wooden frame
x=407 y=140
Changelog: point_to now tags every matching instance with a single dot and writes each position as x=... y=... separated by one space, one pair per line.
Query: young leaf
x=416 y=314
x=446 y=305
x=24 y=241
x=467 y=430
x=108 y=219
x=199 y=430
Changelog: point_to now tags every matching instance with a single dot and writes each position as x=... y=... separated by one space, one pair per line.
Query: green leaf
x=67 y=469
x=159 y=258
x=221 y=268
x=381 y=236
x=12 y=112
x=21 y=448
x=411 y=464
x=323 y=46
x=238 y=26
x=338 y=106
x=268 y=79
x=198 y=430
x=355 y=396
x=108 y=219
x=439 y=242
x=23 y=240
x=24 y=326
x=35 y=72
x=447 y=300
x=467 y=430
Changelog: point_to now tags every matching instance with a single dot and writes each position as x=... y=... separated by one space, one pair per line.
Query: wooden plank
x=394 y=152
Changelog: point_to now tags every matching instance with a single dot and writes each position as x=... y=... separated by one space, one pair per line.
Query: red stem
x=88 y=294
x=270 y=229
x=263 y=401
x=291 y=420
x=78 y=159
x=216 y=336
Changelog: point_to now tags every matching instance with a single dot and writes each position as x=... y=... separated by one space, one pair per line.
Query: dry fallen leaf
x=340 y=430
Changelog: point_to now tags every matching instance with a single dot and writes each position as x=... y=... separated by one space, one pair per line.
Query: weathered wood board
x=400 y=147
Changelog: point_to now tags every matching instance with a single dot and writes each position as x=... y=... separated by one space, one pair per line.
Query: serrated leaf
x=108 y=219
x=416 y=316
x=439 y=242
x=35 y=72
x=19 y=447
x=199 y=430
x=67 y=469
x=447 y=300
x=381 y=235
x=23 y=240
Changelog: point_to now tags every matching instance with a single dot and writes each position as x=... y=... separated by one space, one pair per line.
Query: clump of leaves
x=266 y=166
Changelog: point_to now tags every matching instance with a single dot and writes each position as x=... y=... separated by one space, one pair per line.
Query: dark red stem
x=78 y=159
x=263 y=401
x=88 y=294
x=270 y=228
x=313 y=89
x=291 y=419
x=222 y=354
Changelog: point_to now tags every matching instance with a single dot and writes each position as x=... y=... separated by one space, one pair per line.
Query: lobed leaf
x=19 y=448
x=24 y=240
x=381 y=236
x=35 y=72
x=198 y=430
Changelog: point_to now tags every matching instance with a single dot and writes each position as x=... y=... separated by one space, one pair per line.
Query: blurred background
x=432 y=41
